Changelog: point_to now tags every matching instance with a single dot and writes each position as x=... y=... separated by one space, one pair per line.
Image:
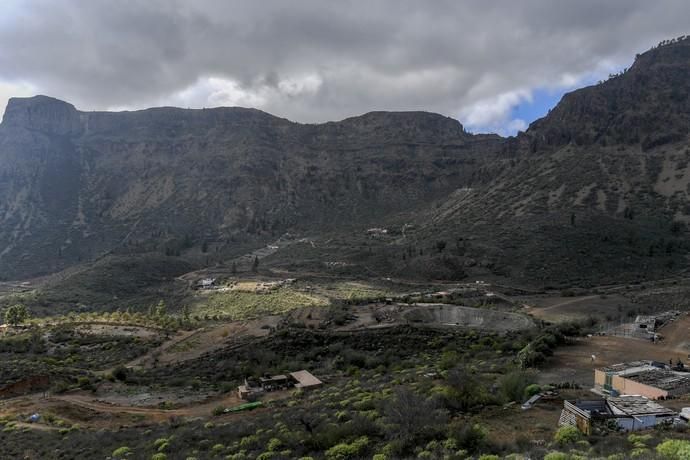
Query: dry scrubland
x=402 y=379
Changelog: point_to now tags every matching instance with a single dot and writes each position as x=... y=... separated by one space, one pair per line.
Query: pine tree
x=255 y=265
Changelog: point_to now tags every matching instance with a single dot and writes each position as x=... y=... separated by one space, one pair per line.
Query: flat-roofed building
x=305 y=379
x=646 y=378
x=628 y=413
x=253 y=388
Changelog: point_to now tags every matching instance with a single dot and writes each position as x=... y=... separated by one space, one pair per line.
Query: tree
x=234 y=268
x=464 y=390
x=161 y=309
x=410 y=416
x=16 y=314
x=440 y=245
x=204 y=247
x=255 y=264
x=186 y=313
x=513 y=385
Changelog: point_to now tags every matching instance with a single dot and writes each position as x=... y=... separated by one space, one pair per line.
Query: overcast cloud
x=314 y=61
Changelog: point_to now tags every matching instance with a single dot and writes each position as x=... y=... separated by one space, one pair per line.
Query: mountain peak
x=647 y=104
x=42 y=113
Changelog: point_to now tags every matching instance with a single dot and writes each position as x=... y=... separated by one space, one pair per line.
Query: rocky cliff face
x=76 y=185
x=647 y=104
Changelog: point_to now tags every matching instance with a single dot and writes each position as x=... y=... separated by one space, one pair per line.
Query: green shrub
x=346 y=451
x=249 y=441
x=639 y=441
x=556 y=456
x=567 y=435
x=160 y=441
x=449 y=359
x=122 y=452
x=532 y=390
x=274 y=444
x=489 y=457
x=674 y=449
x=159 y=456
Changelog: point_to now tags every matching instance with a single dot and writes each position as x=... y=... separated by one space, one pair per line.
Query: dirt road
x=102 y=414
x=203 y=409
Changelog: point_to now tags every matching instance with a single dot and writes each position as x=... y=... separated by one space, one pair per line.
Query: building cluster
x=629 y=393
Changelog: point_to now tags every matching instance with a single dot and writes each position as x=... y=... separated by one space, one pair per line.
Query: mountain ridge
x=77 y=185
x=125 y=172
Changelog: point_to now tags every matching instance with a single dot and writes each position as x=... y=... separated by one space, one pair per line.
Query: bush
x=469 y=437
x=567 y=435
x=159 y=442
x=639 y=441
x=674 y=449
x=122 y=452
x=346 y=451
x=556 y=456
x=159 y=456
x=532 y=390
x=449 y=359
x=274 y=444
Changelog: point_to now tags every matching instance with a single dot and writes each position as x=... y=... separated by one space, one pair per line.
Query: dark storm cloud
x=317 y=60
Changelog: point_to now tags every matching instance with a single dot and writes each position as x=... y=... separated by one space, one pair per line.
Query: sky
x=494 y=65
